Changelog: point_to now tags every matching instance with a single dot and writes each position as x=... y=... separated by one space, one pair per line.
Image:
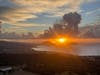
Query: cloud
x=25 y=25
x=48 y=5
x=13 y=15
x=16 y=29
x=14 y=11
x=92 y=12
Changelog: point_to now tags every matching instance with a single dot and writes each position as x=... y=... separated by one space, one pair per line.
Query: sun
x=61 y=40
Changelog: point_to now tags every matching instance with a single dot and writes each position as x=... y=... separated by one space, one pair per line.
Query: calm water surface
x=81 y=50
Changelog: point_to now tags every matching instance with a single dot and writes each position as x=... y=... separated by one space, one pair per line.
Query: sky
x=37 y=15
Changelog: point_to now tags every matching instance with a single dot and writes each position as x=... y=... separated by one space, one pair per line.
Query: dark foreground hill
x=45 y=63
x=48 y=63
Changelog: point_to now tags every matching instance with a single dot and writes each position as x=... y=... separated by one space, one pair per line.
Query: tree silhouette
x=72 y=19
